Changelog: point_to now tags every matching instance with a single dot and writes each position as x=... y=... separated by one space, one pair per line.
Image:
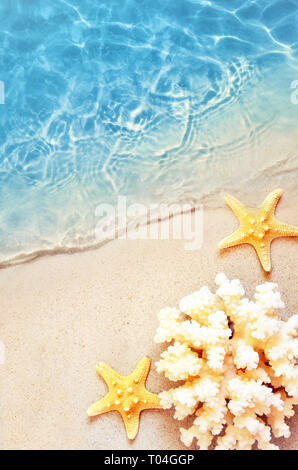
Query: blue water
x=158 y=100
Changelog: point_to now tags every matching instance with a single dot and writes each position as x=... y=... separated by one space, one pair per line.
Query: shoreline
x=62 y=314
x=277 y=168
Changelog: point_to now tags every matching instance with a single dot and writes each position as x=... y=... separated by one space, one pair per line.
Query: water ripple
x=155 y=100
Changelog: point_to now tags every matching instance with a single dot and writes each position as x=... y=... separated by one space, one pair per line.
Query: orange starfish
x=258 y=227
x=127 y=395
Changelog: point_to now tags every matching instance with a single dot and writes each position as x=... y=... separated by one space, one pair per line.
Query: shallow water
x=157 y=100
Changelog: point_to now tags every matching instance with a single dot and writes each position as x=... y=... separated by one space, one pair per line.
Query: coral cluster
x=237 y=361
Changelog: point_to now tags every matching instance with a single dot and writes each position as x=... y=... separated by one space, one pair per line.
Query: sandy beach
x=62 y=314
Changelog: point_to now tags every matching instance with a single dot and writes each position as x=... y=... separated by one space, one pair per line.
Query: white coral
x=238 y=363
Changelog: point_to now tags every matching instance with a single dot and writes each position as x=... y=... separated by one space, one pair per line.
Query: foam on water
x=157 y=100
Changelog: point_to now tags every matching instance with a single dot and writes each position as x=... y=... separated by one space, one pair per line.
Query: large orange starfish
x=258 y=227
x=127 y=395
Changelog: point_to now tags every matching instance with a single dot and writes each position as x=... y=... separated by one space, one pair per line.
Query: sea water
x=155 y=100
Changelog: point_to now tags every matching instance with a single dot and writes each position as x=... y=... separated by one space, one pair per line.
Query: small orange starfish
x=258 y=227
x=127 y=395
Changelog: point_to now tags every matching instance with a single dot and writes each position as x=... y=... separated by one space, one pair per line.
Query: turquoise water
x=159 y=100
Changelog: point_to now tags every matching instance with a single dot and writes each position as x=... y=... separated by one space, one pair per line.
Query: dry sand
x=61 y=314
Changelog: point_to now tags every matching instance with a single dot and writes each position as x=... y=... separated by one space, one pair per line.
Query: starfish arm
x=107 y=373
x=131 y=424
x=100 y=407
x=236 y=238
x=285 y=230
x=270 y=203
x=150 y=400
x=142 y=370
x=263 y=253
x=237 y=207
